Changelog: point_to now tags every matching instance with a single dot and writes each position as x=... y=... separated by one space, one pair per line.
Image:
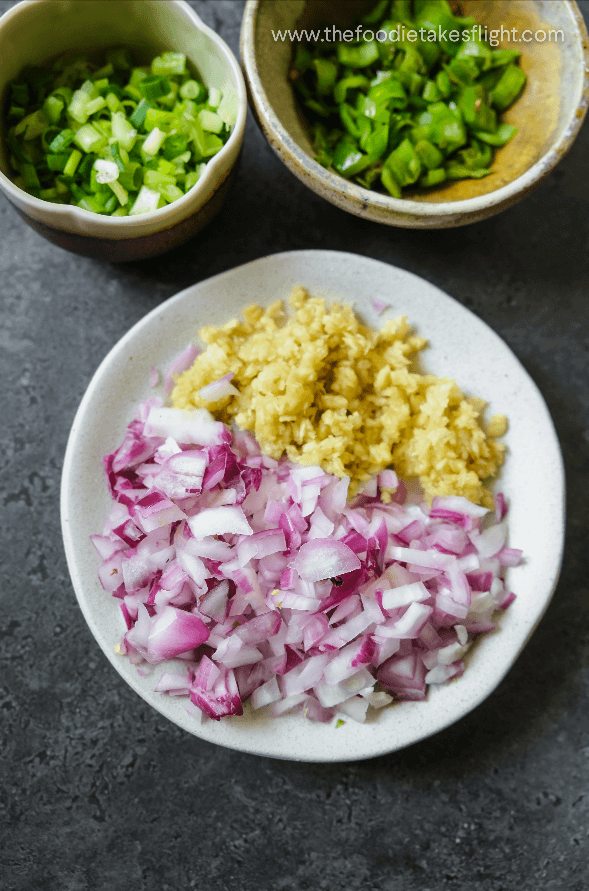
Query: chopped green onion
x=112 y=138
x=106 y=171
x=154 y=86
x=120 y=192
x=210 y=121
x=138 y=116
x=192 y=89
x=154 y=141
x=169 y=63
x=53 y=107
x=57 y=162
x=72 y=162
x=215 y=97
x=30 y=176
x=62 y=140
x=146 y=201
x=88 y=138
x=32 y=126
x=123 y=130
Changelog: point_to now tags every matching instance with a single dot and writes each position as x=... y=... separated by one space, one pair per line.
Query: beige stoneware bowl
x=548 y=115
x=37 y=31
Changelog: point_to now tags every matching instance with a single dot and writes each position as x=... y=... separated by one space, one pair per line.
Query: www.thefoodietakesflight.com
x=493 y=36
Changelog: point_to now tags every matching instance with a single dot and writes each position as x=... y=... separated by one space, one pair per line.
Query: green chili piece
x=436 y=15
x=354 y=82
x=348 y=119
x=412 y=60
x=360 y=56
x=432 y=178
x=377 y=13
x=508 y=88
x=401 y=11
x=443 y=83
x=390 y=183
x=318 y=107
x=472 y=102
x=431 y=92
x=404 y=163
x=389 y=93
x=376 y=143
x=429 y=155
x=347 y=160
x=501 y=136
x=480 y=52
x=326 y=72
x=441 y=125
x=502 y=57
x=462 y=71
x=460 y=171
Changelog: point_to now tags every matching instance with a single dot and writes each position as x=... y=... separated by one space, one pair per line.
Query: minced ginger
x=322 y=388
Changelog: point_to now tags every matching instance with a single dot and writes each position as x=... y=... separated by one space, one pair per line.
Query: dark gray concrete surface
x=97 y=790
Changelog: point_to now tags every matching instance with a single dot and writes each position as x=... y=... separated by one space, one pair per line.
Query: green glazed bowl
x=548 y=115
x=37 y=31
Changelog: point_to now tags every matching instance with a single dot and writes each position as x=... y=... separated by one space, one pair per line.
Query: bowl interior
x=40 y=31
x=543 y=113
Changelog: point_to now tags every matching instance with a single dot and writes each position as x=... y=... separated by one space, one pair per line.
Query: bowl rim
x=330 y=184
x=190 y=200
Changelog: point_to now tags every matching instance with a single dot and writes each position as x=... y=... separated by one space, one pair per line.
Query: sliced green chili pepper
x=428 y=106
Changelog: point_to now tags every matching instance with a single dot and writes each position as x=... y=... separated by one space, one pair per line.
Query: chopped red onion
x=265 y=584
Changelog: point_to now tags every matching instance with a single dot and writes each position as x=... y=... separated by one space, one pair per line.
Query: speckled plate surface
x=462 y=347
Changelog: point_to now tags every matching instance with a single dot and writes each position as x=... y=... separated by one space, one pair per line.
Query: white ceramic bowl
x=548 y=115
x=37 y=31
x=461 y=346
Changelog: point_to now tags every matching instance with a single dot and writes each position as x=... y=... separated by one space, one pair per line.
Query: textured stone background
x=98 y=791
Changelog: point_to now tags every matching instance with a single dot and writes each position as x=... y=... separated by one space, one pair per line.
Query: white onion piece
x=219 y=521
x=197 y=426
x=217 y=390
x=324 y=558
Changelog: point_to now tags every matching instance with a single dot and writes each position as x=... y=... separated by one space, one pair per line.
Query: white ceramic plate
x=461 y=347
